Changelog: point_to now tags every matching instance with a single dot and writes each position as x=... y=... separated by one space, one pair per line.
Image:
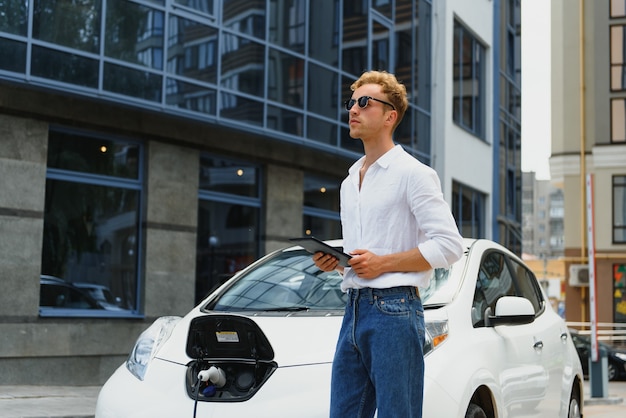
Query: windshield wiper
x=287 y=309
x=434 y=305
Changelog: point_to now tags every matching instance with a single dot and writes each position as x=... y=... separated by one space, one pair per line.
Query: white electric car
x=262 y=345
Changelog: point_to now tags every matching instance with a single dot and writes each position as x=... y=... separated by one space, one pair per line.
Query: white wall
x=458 y=155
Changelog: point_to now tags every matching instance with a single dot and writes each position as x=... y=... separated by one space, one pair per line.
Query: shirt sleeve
x=441 y=244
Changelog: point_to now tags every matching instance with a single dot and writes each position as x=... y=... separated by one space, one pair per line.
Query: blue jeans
x=379 y=361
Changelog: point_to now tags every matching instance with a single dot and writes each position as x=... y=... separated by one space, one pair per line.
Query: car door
x=523 y=379
x=549 y=337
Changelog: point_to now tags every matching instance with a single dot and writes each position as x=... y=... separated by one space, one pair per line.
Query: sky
x=536 y=87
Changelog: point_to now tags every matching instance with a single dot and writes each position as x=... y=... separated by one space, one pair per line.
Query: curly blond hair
x=392 y=88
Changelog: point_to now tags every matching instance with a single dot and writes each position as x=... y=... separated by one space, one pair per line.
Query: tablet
x=314 y=245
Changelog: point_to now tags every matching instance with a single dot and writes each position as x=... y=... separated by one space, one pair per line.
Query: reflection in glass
x=324 y=31
x=64 y=67
x=322 y=131
x=322 y=98
x=191 y=97
x=192 y=49
x=91 y=231
x=134 y=33
x=131 y=82
x=228 y=176
x=243 y=63
x=354 y=47
x=245 y=16
x=288 y=23
x=227 y=241
x=91 y=236
x=380 y=46
x=14 y=55
x=284 y=120
x=241 y=109
x=286 y=78
x=321 y=192
x=14 y=17
x=205 y=6
x=383 y=7
x=73 y=24
x=71 y=152
x=321 y=227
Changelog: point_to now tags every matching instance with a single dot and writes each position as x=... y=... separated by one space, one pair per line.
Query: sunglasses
x=363 y=101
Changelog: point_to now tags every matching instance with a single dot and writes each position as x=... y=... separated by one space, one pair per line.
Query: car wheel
x=611 y=372
x=574 y=405
x=475 y=411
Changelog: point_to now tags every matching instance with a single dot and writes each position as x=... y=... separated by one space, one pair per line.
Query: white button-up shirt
x=398 y=207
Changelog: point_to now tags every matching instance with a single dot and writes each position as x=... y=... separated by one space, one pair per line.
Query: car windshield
x=290 y=281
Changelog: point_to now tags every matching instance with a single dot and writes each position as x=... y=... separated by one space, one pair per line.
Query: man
x=397 y=227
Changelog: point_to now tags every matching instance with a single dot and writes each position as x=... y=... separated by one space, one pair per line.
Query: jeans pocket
x=393 y=304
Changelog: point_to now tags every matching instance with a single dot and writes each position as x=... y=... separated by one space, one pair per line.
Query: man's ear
x=391 y=118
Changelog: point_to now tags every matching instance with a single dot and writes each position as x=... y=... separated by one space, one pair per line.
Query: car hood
x=294 y=339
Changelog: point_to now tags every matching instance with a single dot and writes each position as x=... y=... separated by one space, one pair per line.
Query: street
x=613 y=406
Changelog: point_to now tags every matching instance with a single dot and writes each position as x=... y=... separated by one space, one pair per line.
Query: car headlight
x=436 y=333
x=148 y=345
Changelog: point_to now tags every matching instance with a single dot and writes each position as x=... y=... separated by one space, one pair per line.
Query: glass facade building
x=278 y=67
x=153 y=148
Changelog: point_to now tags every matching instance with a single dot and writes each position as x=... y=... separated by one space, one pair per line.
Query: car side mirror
x=510 y=310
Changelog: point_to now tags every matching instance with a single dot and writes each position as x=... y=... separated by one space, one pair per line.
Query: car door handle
x=564 y=336
x=538 y=345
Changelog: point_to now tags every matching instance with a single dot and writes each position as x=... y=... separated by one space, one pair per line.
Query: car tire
x=611 y=372
x=574 y=405
x=475 y=411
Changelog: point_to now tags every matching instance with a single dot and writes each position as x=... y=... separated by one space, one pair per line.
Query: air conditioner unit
x=579 y=275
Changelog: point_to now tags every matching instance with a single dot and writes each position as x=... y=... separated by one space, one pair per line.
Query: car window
x=528 y=286
x=494 y=281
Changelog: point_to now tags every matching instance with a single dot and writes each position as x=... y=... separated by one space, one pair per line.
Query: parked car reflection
x=56 y=293
x=616 y=357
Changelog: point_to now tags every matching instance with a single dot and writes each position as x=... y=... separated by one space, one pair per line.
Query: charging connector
x=215 y=375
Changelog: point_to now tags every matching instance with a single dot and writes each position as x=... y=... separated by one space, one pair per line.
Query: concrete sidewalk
x=48 y=401
x=80 y=401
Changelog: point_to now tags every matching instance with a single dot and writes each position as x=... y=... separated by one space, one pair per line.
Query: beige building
x=588 y=74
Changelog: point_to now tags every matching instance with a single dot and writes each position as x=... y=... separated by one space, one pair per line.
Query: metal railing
x=610 y=333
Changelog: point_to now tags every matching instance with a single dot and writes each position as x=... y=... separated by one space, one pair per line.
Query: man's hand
x=326 y=262
x=366 y=264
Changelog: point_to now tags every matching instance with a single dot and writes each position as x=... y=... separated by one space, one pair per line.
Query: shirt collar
x=384 y=161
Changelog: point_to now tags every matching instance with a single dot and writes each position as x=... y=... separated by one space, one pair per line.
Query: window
x=619 y=292
x=618 y=8
x=321 y=207
x=91 y=226
x=494 y=281
x=618 y=120
x=469 y=82
x=527 y=285
x=229 y=218
x=619 y=209
x=468 y=208
x=500 y=275
x=618 y=67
